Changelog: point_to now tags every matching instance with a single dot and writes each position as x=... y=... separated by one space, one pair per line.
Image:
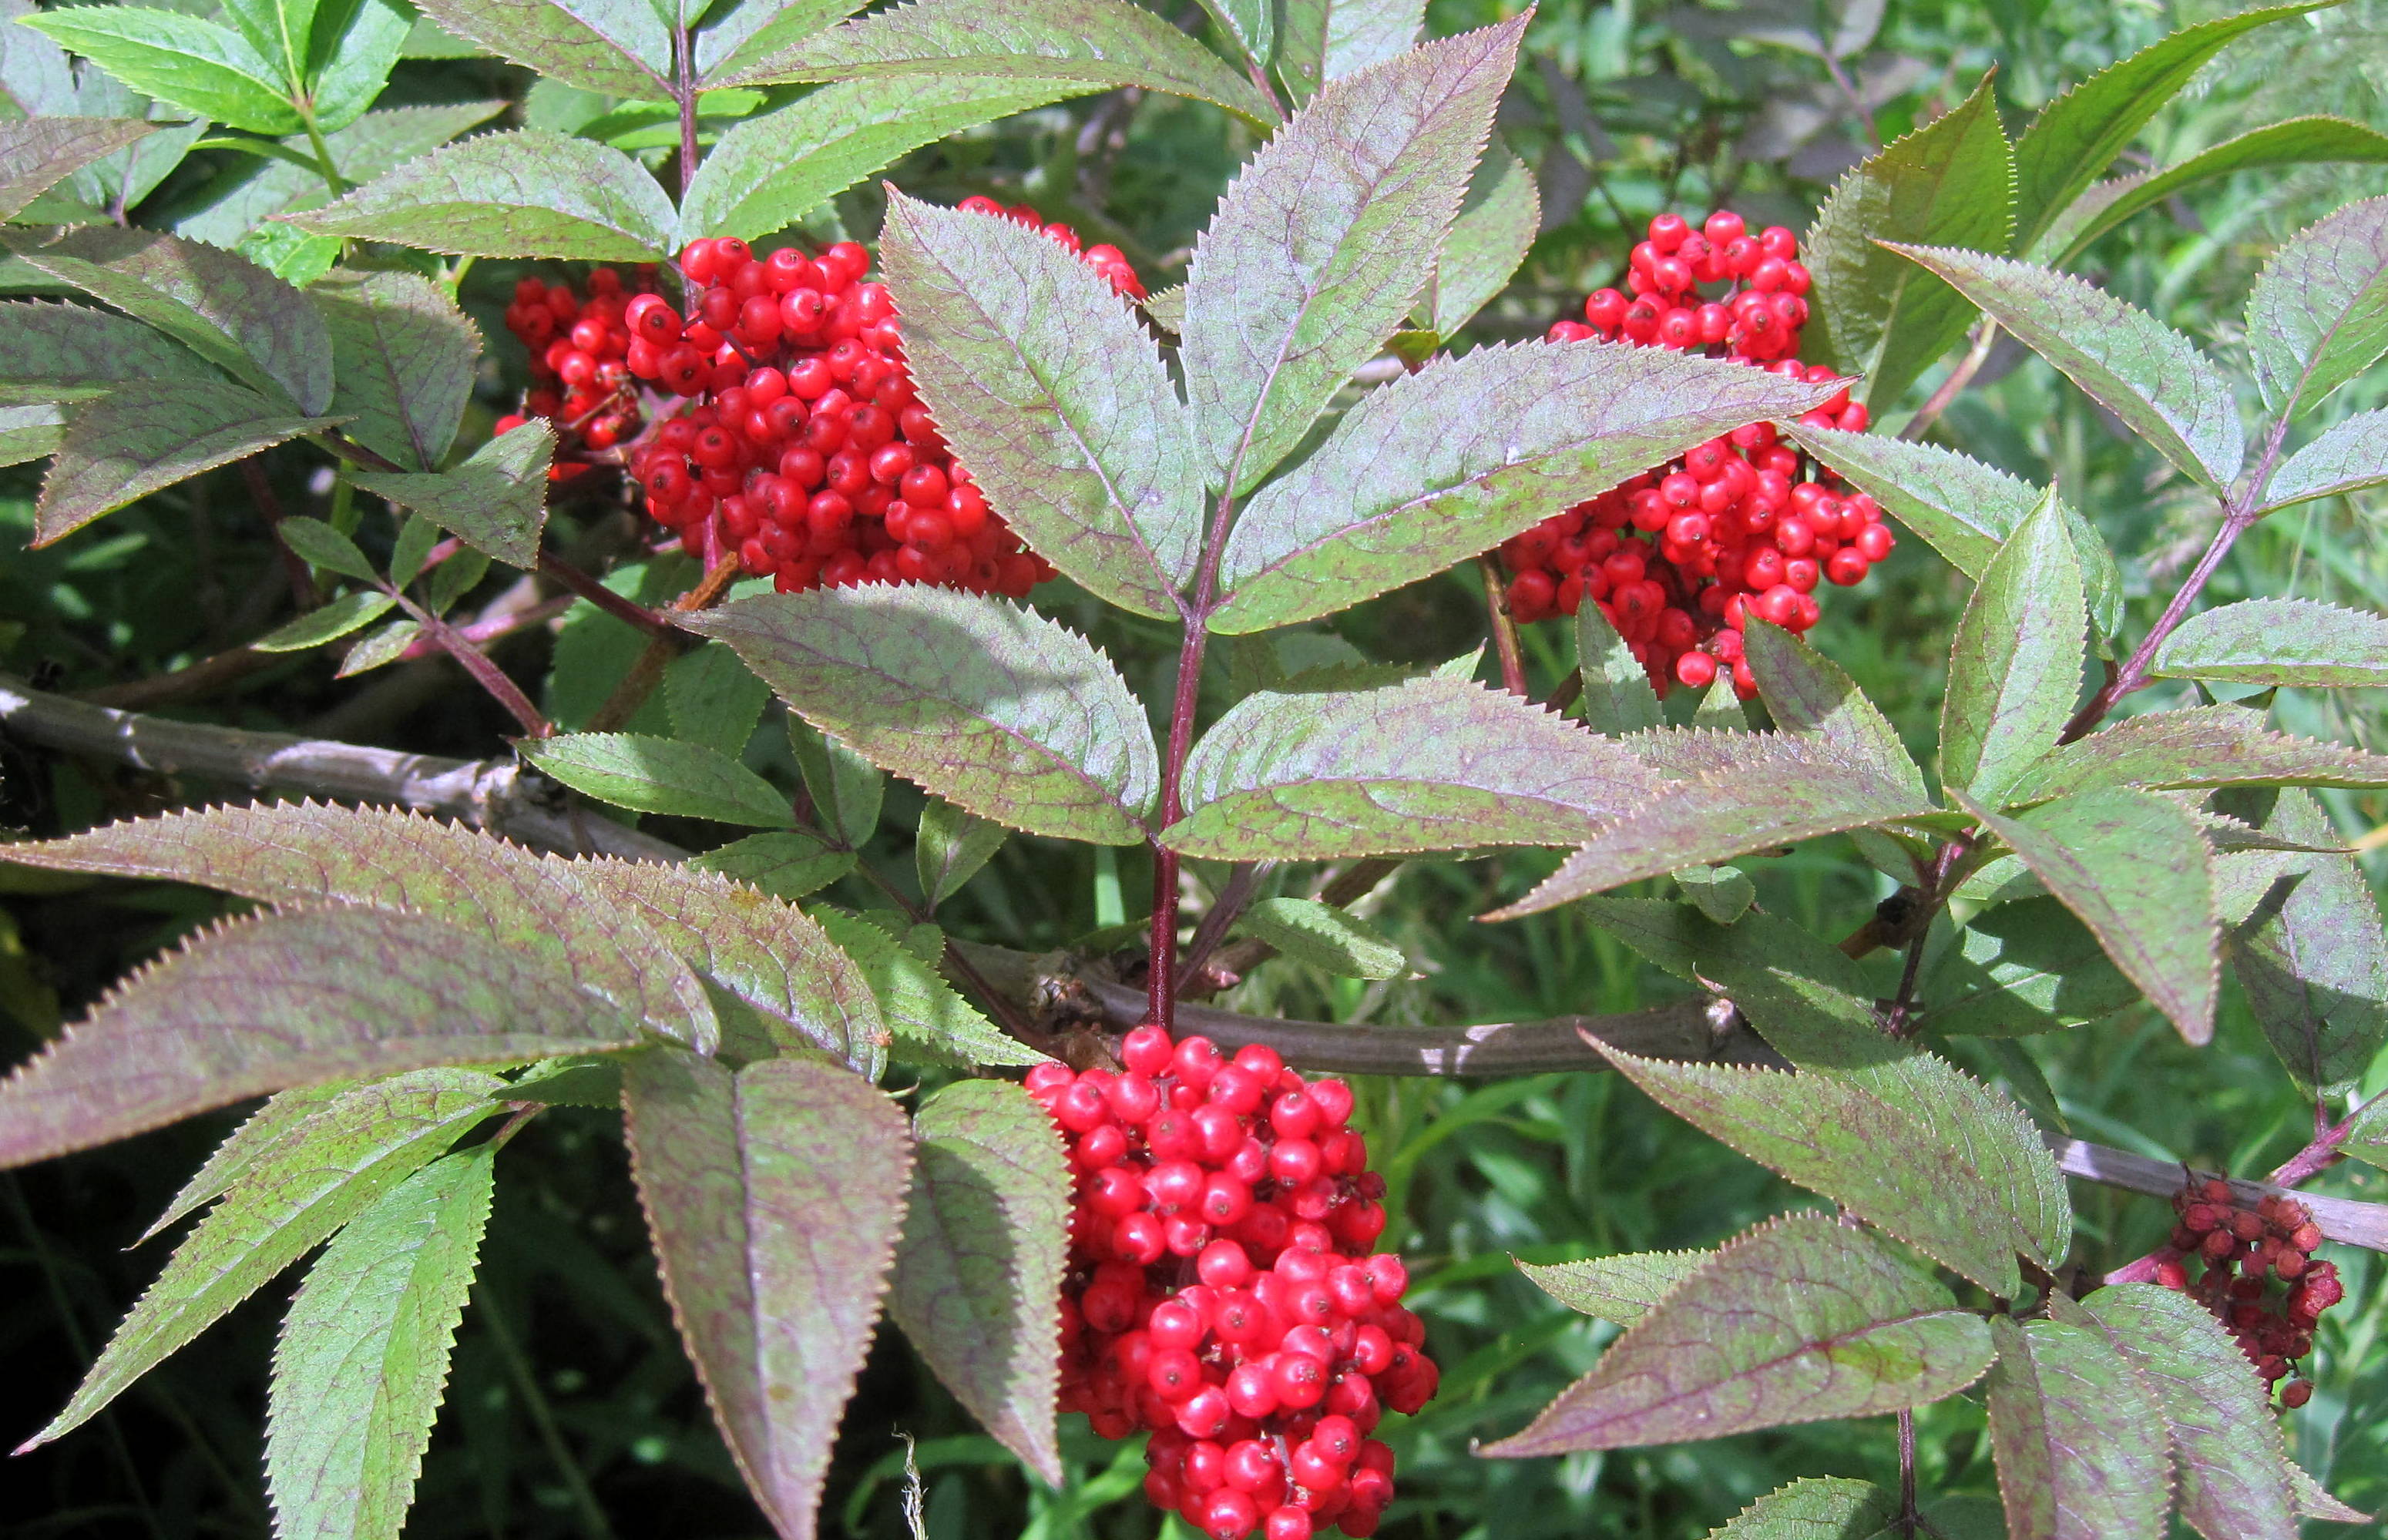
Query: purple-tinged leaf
x=775 y=1196
x=2136 y=868
x=659 y=774
x=38 y=153
x=323 y=1172
x=847 y=789
x=2346 y=457
x=1618 y=698
x=2317 y=315
x=404 y=357
x=988 y=704
x=977 y=1285
x=2232 y=1466
x=1948 y=184
x=1617 y=1289
x=1048 y=388
x=226 y=307
x=2313 y=1502
x=619 y=47
x=2314 y=966
x=121 y=448
x=1887 y=1164
x=1094 y=42
x=372 y=145
x=1801 y=1320
x=2080 y=1446
x=2277 y=641
x=2163 y=388
x=1497 y=221
x=1323 y=936
x=2025 y=966
x=2202 y=746
x=1816 y=1508
x=362 y=1361
x=1326 y=39
x=495 y=501
x=2075 y=138
x=1809 y=695
x=807 y=994
x=1777 y=790
x=1430 y=764
x=1456 y=458
x=728 y=41
x=928 y=1022
x=1321 y=244
x=303 y=852
x=529 y=193
x=2014 y=669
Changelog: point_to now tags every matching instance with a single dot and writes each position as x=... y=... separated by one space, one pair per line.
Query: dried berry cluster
x=1221 y=1290
x=2241 y=1252
x=1676 y=557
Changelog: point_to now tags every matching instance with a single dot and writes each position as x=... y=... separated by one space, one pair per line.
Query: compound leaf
x=2317 y=315
x=2080 y=1448
x=2293 y=142
x=987 y=704
x=619 y=47
x=2277 y=641
x=2346 y=457
x=1816 y=1508
x=735 y=38
x=206 y=69
x=121 y=448
x=930 y=1022
x=330 y=623
x=1497 y=220
x=787 y=865
x=528 y=192
x=2025 y=966
x=1617 y=1289
x=659 y=774
x=1618 y=698
x=38 y=153
x=2014 y=669
x=1326 y=937
x=774 y=1196
x=953 y=844
x=2202 y=746
x=715 y=700
x=2314 y=963
x=243 y=1148
x=1800 y=1320
x=1807 y=694
x=495 y=501
x=1326 y=39
x=1049 y=390
x=978 y=1270
x=404 y=357
x=237 y=204
x=55 y=352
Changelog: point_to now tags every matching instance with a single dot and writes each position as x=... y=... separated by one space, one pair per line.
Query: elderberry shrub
x=2241 y=1252
x=1676 y=556
x=1221 y=1292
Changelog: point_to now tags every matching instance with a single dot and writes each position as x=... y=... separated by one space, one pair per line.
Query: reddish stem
x=629 y=612
x=484 y=670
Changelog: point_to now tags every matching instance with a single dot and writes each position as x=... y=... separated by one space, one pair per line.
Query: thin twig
x=1906 y=1514
x=1986 y=332
x=626 y=611
x=1505 y=628
x=1234 y=898
x=482 y=667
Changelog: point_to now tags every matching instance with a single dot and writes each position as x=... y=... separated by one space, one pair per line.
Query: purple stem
x=484 y=670
x=556 y=567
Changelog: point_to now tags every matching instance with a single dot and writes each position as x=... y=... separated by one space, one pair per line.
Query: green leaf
x=2163 y=388
x=787 y=866
x=2317 y=315
x=775 y=1196
x=352 y=64
x=2346 y=457
x=1772 y=791
x=2277 y=641
x=2315 y=1503
x=1321 y=244
x=518 y=903
x=715 y=700
x=1617 y=694
x=978 y=1271
x=38 y=153
x=495 y=501
x=1948 y=184
x=987 y=704
x=1251 y=25
x=847 y=789
x=1497 y=220
x=769 y=172
x=2315 y=965
x=1799 y=1322
x=1889 y=1164
x=1094 y=42
x=323 y=1172
x=1809 y=695
x=120 y=448
x=1327 y=40
x=28 y=433
x=620 y=47
x=1827 y=1508
x=2025 y=966
x=931 y=1023
x=1962 y=508
x=2080 y=1448
x=659 y=774
x=362 y=1360
x=319 y=545
x=953 y=844
x=243 y=197
x=1451 y=461
x=2136 y=869
x=382 y=648
x=55 y=352
x=735 y=38
x=1617 y=1289
x=1722 y=893
x=1049 y=390
x=528 y=193
x=2234 y=1470
x=332 y=622
x=403 y=358
x=195 y=65
x=807 y=995
x=2075 y=138
x=2294 y=141
x=1429 y=764
x=226 y=308
x=2014 y=669
x=2202 y=746
x=1324 y=937
x=258 y=1136
x=1811 y=1003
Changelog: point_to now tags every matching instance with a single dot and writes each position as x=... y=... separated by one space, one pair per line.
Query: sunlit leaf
x=2346 y=457
x=1618 y=1289
x=1326 y=937
x=2080 y=1448
x=621 y=48
x=2294 y=141
x=2200 y=746
x=404 y=357
x=2014 y=669
x=1827 y=1508
x=2277 y=641
x=123 y=448
x=38 y=153
x=197 y=66
x=529 y=193
x=1497 y=220
x=2317 y=315
x=2315 y=964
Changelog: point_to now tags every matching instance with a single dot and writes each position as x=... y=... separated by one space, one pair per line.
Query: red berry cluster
x=578 y=378
x=2241 y=1251
x=1107 y=261
x=1676 y=556
x=1221 y=1292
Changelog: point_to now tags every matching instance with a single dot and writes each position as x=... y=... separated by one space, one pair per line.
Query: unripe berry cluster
x=1677 y=556
x=1221 y=1292
x=2241 y=1255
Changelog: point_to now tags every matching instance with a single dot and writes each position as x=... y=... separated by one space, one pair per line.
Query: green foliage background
x=571 y=1402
